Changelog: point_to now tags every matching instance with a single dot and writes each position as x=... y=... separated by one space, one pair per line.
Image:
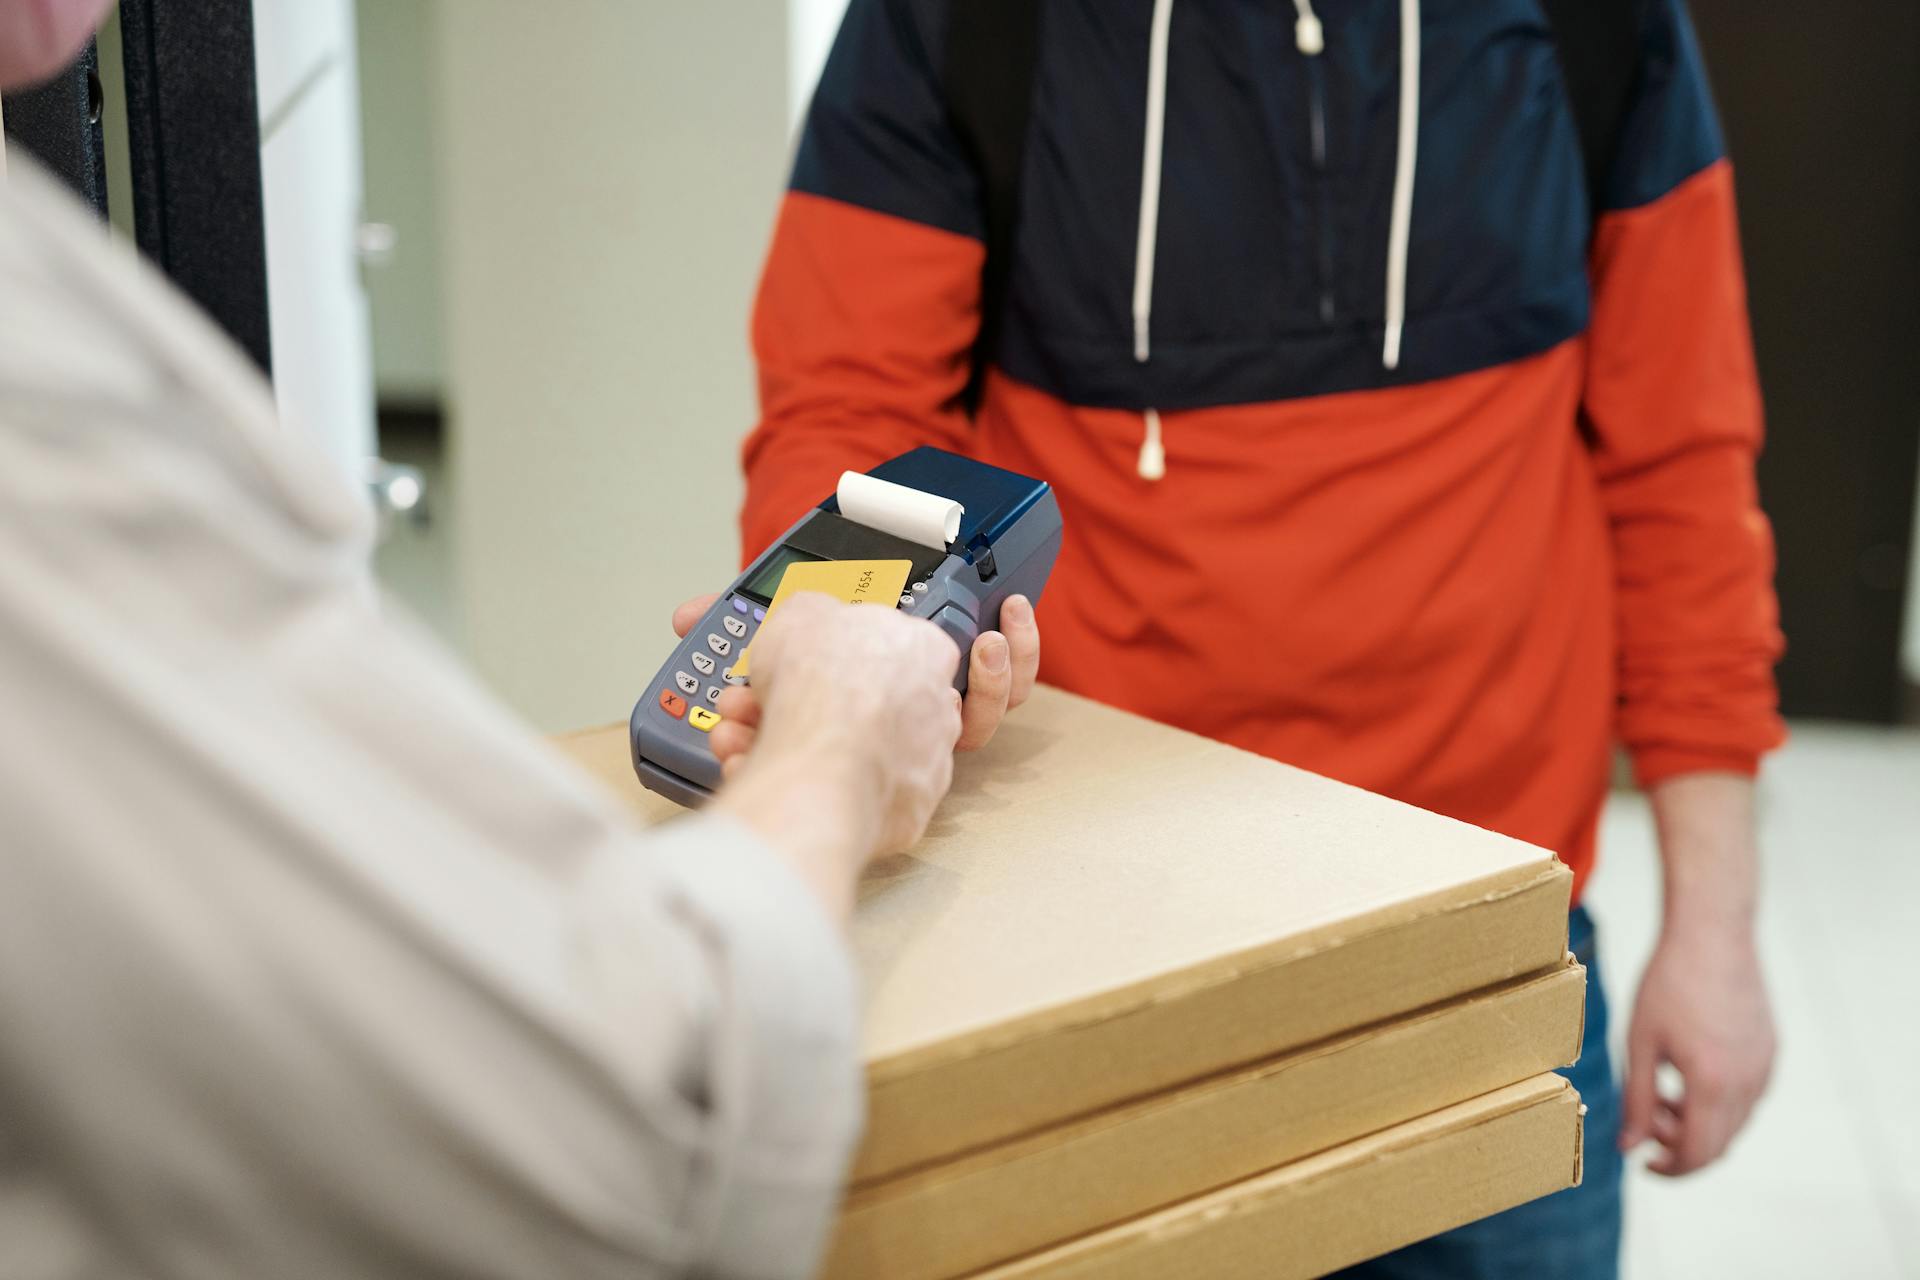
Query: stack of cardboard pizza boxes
x=1144 y=1005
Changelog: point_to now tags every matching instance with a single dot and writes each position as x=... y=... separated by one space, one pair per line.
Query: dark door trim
x=193 y=126
x=1829 y=176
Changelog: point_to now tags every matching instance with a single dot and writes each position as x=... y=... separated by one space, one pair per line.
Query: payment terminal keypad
x=688 y=698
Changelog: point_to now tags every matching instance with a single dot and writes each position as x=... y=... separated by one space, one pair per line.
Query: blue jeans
x=1570 y=1235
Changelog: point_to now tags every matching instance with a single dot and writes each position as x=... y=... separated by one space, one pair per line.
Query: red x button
x=672 y=703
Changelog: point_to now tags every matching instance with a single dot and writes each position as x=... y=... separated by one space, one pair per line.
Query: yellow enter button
x=702 y=719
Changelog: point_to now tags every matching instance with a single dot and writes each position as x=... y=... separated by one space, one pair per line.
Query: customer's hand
x=844 y=744
x=1000 y=673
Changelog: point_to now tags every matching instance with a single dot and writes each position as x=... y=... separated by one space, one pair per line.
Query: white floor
x=1825 y=1183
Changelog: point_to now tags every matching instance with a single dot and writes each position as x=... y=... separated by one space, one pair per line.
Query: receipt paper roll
x=925 y=518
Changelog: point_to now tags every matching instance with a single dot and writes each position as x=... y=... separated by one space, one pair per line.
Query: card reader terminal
x=1007 y=538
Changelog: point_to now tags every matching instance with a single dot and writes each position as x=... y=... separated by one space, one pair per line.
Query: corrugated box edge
x=1065 y=1181
x=1343 y=1206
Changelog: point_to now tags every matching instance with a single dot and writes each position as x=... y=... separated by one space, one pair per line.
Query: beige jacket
x=313 y=961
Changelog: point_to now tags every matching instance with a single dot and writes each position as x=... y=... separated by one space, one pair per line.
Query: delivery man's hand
x=844 y=744
x=1000 y=674
x=1702 y=1006
x=1703 y=1009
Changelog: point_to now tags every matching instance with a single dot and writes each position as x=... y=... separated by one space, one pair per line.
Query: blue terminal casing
x=1009 y=537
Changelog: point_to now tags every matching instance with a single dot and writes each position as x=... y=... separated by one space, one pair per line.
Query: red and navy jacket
x=1379 y=451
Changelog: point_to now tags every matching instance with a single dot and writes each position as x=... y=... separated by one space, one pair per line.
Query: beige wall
x=609 y=172
x=398 y=128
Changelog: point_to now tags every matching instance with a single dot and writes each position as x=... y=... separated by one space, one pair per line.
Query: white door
x=310 y=162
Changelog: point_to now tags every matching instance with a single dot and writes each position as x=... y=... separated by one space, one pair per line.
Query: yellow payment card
x=851 y=581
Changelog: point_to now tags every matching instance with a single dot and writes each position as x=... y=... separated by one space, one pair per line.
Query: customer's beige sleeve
x=313 y=962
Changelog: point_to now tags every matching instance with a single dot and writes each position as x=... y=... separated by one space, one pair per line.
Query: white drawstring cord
x=1153 y=460
x=1150 y=179
x=1403 y=180
x=1153 y=456
x=1308 y=35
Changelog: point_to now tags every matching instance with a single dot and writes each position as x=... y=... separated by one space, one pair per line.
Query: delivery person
x=312 y=962
x=1404 y=429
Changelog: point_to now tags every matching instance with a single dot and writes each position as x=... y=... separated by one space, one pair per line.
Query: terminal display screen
x=766 y=579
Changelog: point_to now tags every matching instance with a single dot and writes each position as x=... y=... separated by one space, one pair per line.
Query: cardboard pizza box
x=1354 y=1202
x=954 y=1218
x=1106 y=907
